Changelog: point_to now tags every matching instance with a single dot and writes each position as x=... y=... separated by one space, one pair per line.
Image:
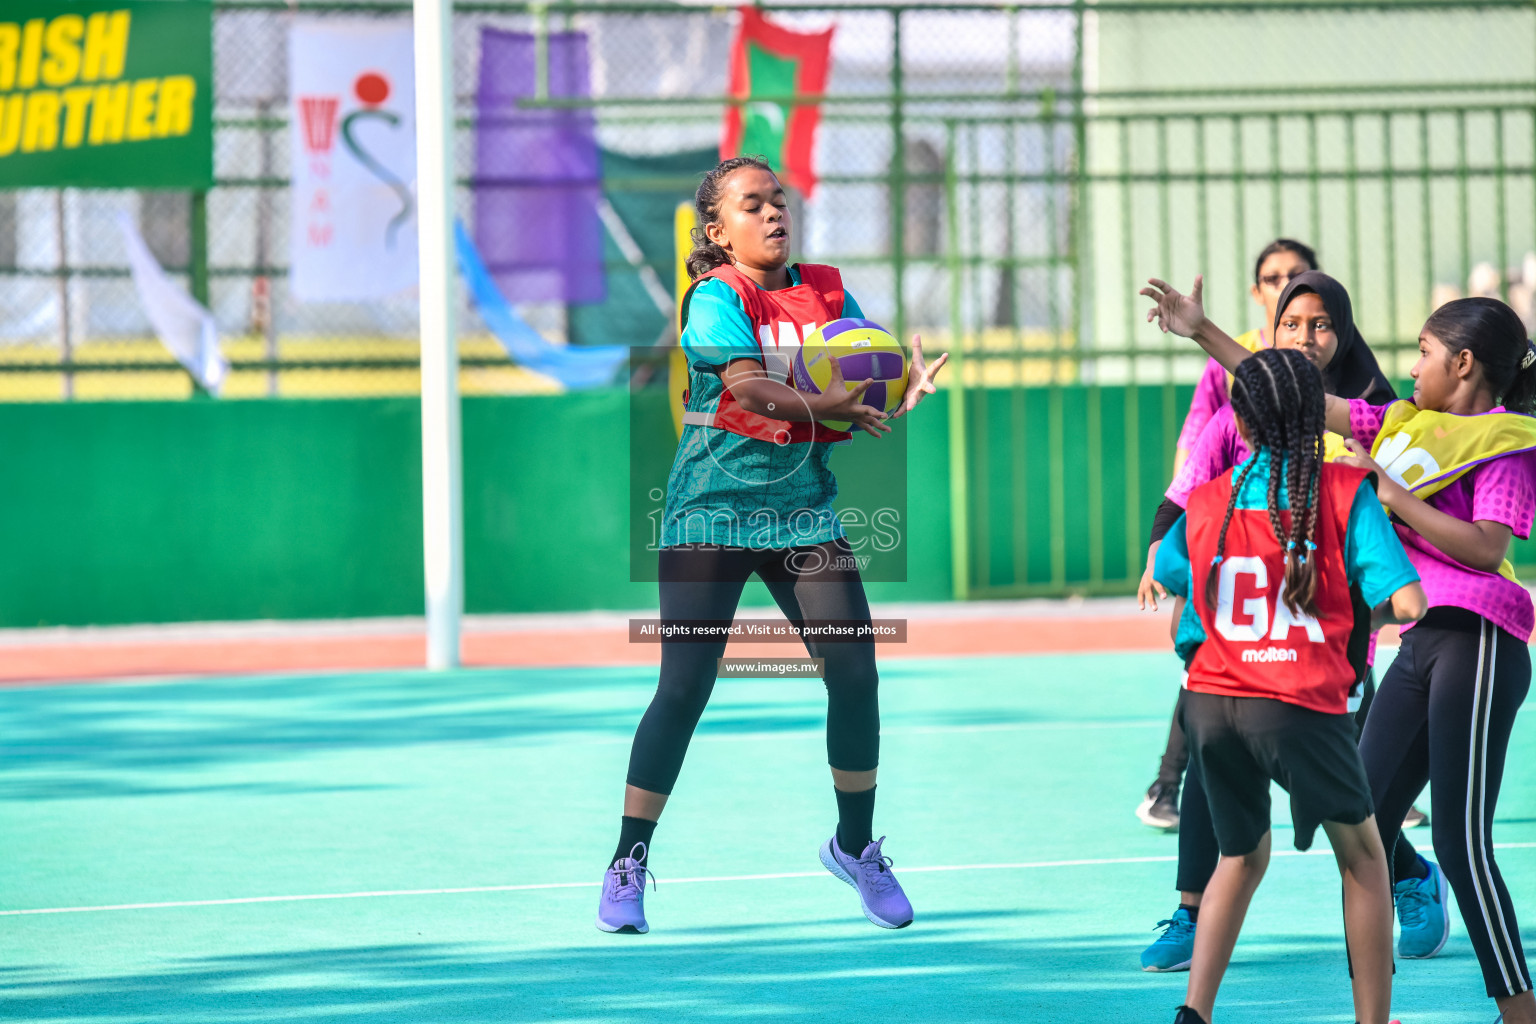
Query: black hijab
x=1353 y=373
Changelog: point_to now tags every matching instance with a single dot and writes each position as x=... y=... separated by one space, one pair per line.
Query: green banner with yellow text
x=106 y=94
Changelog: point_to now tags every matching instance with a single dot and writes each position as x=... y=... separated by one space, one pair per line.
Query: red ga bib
x=1254 y=646
x=781 y=321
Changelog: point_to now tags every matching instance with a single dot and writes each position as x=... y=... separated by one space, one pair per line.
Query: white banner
x=182 y=324
x=352 y=120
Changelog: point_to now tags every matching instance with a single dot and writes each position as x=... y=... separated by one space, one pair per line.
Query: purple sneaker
x=870 y=874
x=622 y=907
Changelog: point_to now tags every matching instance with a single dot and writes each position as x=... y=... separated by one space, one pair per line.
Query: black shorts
x=1241 y=743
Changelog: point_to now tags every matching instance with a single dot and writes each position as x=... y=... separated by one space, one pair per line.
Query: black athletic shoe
x=1188 y=1016
x=1415 y=818
x=1160 y=809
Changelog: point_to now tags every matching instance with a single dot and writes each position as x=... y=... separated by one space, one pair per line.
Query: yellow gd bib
x=1252 y=341
x=1333 y=446
x=1426 y=451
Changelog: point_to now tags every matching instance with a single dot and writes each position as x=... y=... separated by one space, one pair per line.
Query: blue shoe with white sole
x=1175 y=948
x=1423 y=916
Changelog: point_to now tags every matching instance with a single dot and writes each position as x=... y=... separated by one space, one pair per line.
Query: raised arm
x=1336 y=416
x=1481 y=544
x=1184 y=315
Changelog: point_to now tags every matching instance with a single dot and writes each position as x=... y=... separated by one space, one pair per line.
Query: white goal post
x=441 y=480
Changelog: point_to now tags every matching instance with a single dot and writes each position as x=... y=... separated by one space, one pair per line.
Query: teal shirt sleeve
x=1172 y=570
x=1373 y=556
x=1172 y=566
x=718 y=329
x=851 y=307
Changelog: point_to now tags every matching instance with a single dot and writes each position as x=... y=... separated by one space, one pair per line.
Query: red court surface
x=956 y=630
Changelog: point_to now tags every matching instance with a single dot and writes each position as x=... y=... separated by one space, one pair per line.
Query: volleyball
x=864 y=350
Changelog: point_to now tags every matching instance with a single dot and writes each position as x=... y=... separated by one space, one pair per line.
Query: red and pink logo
x=318 y=114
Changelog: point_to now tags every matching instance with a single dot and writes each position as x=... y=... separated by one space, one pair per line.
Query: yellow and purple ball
x=864 y=350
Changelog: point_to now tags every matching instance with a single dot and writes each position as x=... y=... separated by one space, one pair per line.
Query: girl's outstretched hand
x=1182 y=314
x=920 y=377
x=840 y=402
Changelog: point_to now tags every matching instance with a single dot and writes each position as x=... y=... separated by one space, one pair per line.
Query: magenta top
x=1211 y=394
x=1217 y=449
x=1501 y=491
x=1210 y=398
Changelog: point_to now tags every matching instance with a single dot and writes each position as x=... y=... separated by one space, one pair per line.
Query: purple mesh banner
x=537 y=178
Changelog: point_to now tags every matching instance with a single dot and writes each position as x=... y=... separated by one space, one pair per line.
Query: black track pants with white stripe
x=1443 y=715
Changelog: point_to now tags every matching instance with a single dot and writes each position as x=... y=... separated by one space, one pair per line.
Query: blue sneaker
x=1423 y=914
x=880 y=894
x=622 y=905
x=1175 y=948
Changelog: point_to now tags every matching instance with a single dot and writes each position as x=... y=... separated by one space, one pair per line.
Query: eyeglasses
x=1276 y=280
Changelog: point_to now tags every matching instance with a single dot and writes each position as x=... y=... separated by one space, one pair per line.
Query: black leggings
x=1198 y=853
x=1443 y=716
x=704 y=583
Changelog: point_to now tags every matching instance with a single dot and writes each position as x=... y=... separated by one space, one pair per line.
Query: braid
x=1279 y=396
x=1272 y=503
x=1221 y=538
x=1305 y=470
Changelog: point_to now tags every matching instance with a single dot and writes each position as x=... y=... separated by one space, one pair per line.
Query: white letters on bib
x=1284 y=620
x=1257 y=608
x=1254 y=607
x=779 y=353
x=1397 y=459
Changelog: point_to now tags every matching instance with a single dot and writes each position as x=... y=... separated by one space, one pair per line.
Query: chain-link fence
x=1398 y=139
x=71 y=326
x=1045 y=159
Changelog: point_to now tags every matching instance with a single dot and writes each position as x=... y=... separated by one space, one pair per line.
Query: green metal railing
x=1060 y=180
x=1063 y=425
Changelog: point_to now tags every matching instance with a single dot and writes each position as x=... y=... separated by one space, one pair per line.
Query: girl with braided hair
x=1266 y=561
x=1457 y=466
x=1278 y=264
x=1314 y=316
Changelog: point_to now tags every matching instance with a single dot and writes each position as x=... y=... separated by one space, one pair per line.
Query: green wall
x=205 y=511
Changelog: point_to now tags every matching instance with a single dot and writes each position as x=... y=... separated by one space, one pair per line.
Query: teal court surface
x=401 y=847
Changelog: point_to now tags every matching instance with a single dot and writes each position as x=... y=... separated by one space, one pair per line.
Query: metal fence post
x=197 y=270
x=959 y=493
x=441 y=451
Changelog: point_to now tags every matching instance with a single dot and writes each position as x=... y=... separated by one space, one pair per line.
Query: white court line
x=717 y=735
x=540 y=886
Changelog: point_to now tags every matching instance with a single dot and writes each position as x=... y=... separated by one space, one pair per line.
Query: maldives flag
x=769 y=60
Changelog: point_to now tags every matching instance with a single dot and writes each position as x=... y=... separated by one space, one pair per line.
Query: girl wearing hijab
x=1315 y=317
